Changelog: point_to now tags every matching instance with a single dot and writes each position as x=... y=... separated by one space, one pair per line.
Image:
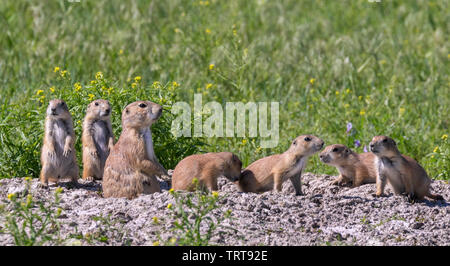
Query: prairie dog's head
x=233 y=166
x=306 y=145
x=99 y=109
x=57 y=109
x=383 y=146
x=141 y=114
x=335 y=154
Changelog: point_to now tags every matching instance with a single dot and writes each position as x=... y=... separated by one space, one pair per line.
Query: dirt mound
x=324 y=215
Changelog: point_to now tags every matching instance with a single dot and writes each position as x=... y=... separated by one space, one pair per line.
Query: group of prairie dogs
x=129 y=167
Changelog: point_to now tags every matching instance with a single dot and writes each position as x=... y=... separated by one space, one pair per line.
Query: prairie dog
x=131 y=167
x=58 y=156
x=206 y=168
x=356 y=168
x=270 y=172
x=97 y=138
x=403 y=173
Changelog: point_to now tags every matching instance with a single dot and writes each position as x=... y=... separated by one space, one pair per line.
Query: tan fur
x=58 y=156
x=356 y=168
x=97 y=138
x=132 y=167
x=206 y=168
x=403 y=173
x=270 y=172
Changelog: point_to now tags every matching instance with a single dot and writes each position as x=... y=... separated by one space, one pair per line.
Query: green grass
x=381 y=66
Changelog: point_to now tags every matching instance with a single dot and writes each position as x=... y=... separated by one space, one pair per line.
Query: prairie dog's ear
x=393 y=141
x=347 y=150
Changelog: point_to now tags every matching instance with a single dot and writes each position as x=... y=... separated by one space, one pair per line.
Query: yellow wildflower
x=56 y=69
x=175 y=84
x=39 y=92
x=211 y=66
x=156 y=84
x=52 y=89
x=215 y=194
x=42 y=99
x=58 y=190
x=99 y=75
x=436 y=149
x=93 y=82
x=77 y=86
x=169 y=206
x=171 y=191
x=120 y=51
x=347 y=91
x=360 y=98
x=209 y=85
x=337 y=92
x=401 y=111
x=91 y=96
x=11 y=195
x=155 y=220
x=28 y=178
x=362 y=112
x=133 y=85
x=137 y=78
x=244 y=141
x=444 y=137
x=346 y=105
x=63 y=73
x=208 y=31
x=312 y=81
x=195 y=180
x=156 y=243
x=177 y=30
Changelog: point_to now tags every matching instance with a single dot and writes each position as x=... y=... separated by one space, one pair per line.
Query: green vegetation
x=31 y=222
x=191 y=211
x=381 y=66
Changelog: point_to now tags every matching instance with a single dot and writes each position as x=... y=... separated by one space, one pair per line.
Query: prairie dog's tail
x=435 y=196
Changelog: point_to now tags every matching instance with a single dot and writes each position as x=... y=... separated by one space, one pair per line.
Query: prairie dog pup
x=97 y=138
x=403 y=173
x=58 y=156
x=353 y=167
x=131 y=167
x=206 y=168
x=270 y=172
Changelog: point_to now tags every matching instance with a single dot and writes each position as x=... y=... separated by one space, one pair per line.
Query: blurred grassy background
x=381 y=66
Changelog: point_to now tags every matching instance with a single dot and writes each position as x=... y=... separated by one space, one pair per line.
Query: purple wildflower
x=365 y=148
x=357 y=143
x=349 y=127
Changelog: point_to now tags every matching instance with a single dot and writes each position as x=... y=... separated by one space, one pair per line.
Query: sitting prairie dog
x=206 y=168
x=356 y=168
x=97 y=138
x=58 y=156
x=270 y=172
x=403 y=173
x=131 y=167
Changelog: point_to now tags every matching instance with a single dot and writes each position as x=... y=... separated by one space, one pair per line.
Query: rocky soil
x=324 y=215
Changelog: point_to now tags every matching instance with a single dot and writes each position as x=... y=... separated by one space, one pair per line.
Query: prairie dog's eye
x=307 y=139
x=142 y=105
x=295 y=142
x=96 y=103
x=385 y=140
x=335 y=149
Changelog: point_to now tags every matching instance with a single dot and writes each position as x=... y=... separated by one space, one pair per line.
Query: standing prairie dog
x=206 y=168
x=270 y=172
x=131 y=167
x=58 y=156
x=98 y=139
x=356 y=168
x=403 y=173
